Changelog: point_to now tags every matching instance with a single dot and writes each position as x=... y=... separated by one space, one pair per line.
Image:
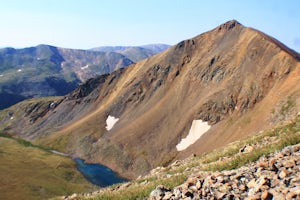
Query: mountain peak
x=229 y=25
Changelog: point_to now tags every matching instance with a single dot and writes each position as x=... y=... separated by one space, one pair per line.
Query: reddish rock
x=266 y=196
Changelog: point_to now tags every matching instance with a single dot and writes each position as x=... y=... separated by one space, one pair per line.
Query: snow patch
x=85 y=67
x=59 y=153
x=110 y=122
x=198 y=128
x=1 y=75
x=19 y=70
x=11 y=118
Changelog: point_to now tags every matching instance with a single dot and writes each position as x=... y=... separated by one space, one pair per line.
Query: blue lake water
x=98 y=174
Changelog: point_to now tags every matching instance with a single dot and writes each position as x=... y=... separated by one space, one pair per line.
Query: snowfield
x=198 y=128
x=110 y=122
x=85 y=67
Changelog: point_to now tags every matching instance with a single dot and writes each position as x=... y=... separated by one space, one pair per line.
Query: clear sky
x=85 y=24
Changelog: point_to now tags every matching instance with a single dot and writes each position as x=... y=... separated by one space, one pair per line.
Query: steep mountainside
x=46 y=70
x=135 y=53
x=237 y=80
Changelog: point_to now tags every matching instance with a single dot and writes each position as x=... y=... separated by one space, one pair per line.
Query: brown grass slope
x=239 y=80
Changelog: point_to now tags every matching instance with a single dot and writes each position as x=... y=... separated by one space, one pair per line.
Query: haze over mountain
x=135 y=53
x=236 y=79
x=50 y=71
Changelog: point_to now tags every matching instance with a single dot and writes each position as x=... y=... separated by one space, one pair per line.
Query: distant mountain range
x=51 y=71
x=135 y=53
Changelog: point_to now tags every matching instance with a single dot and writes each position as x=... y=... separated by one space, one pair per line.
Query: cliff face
x=237 y=79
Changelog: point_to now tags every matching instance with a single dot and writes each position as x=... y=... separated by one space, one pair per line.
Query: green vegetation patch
x=27 y=172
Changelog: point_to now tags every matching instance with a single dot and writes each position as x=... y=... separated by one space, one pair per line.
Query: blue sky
x=85 y=24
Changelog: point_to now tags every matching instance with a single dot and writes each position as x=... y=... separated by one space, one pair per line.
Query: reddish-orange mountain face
x=236 y=79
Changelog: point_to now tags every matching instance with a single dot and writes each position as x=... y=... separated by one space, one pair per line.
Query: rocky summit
x=275 y=176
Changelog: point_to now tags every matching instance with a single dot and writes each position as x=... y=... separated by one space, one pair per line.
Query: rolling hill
x=211 y=90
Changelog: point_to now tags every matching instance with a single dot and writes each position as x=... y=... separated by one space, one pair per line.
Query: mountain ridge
x=46 y=70
x=157 y=47
x=231 y=77
x=135 y=53
x=290 y=51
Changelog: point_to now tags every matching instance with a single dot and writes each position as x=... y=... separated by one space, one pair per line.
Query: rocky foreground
x=276 y=176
